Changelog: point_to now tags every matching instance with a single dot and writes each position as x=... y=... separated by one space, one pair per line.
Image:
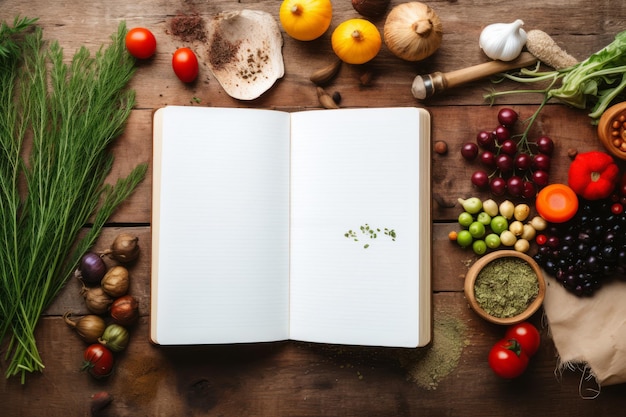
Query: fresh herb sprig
x=70 y=115
x=9 y=42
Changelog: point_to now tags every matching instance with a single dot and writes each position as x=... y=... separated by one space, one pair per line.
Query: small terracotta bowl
x=612 y=130
x=472 y=274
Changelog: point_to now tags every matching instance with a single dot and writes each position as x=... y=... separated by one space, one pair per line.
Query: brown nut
x=440 y=147
x=326 y=74
x=325 y=99
x=371 y=8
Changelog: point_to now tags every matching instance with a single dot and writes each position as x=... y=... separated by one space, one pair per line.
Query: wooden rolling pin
x=425 y=86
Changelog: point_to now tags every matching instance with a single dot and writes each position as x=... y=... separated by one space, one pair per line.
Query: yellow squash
x=305 y=20
x=356 y=41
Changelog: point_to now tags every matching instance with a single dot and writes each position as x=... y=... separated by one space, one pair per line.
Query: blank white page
x=354 y=168
x=220 y=227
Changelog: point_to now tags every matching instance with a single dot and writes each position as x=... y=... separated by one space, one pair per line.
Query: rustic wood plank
x=300 y=379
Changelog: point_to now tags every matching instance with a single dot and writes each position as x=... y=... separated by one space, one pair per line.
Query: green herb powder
x=506 y=287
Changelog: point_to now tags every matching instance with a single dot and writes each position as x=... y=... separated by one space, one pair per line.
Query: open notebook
x=311 y=226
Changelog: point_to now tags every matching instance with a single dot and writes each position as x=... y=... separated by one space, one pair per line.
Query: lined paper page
x=222 y=225
x=354 y=169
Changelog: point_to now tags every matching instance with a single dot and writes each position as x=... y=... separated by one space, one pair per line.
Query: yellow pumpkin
x=356 y=41
x=305 y=20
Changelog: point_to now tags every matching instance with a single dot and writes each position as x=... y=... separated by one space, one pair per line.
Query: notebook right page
x=356 y=241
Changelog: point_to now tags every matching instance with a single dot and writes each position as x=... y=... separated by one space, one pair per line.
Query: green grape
x=479 y=247
x=477 y=230
x=465 y=219
x=492 y=240
x=499 y=224
x=464 y=238
x=483 y=218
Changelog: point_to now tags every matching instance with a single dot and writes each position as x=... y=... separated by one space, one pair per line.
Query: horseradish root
x=544 y=48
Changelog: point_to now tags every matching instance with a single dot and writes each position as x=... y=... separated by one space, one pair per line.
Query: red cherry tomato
x=527 y=335
x=98 y=360
x=507 y=359
x=185 y=64
x=140 y=43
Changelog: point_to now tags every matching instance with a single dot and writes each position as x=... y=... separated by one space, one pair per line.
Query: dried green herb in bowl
x=505 y=287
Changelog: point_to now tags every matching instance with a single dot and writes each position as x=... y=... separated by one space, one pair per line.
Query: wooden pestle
x=425 y=86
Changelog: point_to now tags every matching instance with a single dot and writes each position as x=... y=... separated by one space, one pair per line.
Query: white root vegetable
x=546 y=50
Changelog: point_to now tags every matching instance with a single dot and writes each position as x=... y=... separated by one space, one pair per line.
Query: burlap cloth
x=589 y=332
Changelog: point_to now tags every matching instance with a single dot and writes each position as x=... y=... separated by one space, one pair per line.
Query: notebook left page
x=220 y=245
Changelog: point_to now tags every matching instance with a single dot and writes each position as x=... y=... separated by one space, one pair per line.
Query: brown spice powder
x=189 y=28
x=222 y=51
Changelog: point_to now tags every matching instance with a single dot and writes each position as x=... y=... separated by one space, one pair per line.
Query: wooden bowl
x=612 y=130
x=476 y=268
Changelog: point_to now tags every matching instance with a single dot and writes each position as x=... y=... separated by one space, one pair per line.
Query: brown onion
x=116 y=281
x=125 y=248
x=125 y=310
x=89 y=327
x=96 y=300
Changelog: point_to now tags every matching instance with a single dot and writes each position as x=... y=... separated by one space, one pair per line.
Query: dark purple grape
x=469 y=151
x=515 y=186
x=541 y=161
x=507 y=117
x=522 y=161
x=529 y=190
x=480 y=179
x=509 y=147
x=488 y=159
x=486 y=140
x=497 y=185
x=545 y=145
x=504 y=163
x=540 y=178
x=502 y=133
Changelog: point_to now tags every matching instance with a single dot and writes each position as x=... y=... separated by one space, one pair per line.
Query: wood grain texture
x=299 y=379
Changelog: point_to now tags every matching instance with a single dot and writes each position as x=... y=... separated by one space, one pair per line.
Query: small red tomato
x=185 y=64
x=527 y=335
x=98 y=360
x=507 y=359
x=140 y=43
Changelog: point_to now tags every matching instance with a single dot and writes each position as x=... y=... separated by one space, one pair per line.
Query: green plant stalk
x=74 y=112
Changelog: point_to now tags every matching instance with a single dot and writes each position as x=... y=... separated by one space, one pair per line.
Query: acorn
x=371 y=8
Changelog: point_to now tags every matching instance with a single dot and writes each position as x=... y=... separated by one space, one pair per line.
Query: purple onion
x=92 y=268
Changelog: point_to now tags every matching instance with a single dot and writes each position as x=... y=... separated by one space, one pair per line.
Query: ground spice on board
x=506 y=287
x=222 y=51
x=188 y=27
x=429 y=365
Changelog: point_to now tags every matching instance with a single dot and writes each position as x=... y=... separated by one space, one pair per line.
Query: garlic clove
x=503 y=41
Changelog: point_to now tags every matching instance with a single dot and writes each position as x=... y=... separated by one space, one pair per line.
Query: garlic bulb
x=503 y=41
x=412 y=31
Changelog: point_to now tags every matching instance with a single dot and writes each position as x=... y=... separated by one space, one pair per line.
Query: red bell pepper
x=593 y=175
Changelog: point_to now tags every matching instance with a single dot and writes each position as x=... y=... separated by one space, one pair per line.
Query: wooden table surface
x=451 y=377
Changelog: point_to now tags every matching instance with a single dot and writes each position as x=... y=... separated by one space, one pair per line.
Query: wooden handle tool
x=425 y=86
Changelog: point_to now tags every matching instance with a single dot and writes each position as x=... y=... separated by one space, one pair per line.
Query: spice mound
x=506 y=287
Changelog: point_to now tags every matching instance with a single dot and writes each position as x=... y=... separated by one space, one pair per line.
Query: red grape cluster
x=515 y=167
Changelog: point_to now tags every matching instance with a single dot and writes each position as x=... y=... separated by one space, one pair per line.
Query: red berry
x=480 y=179
x=469 y=151
x=617 y=208
x=507 y=116
x=502 y=133
x=541 y=239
